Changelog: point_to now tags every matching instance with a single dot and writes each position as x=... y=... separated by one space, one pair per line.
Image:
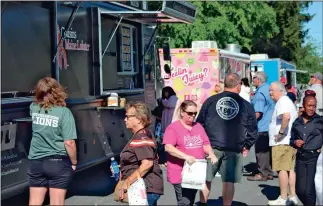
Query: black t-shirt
x=292 y=96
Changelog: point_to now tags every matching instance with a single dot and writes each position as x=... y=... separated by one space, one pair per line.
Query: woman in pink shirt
x=185 y=140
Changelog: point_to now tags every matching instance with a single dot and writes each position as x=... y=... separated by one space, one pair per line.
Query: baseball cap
x=318 y=75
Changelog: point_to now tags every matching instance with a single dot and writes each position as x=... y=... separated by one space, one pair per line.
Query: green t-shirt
x=50 y=130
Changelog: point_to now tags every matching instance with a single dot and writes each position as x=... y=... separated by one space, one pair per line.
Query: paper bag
x=137 y=194
x=194 y=176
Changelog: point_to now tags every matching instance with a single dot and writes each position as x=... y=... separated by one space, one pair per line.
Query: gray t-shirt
x=318 y=89
x=49 y=131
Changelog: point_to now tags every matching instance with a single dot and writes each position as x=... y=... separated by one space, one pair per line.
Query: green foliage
x=274 y=27
x=224 y=22
x=309 y=59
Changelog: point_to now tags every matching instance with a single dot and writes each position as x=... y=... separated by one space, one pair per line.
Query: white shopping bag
x=319 y=181
x=194 y=175
x=137 y=194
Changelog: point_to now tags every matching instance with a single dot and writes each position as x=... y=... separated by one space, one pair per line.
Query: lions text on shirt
x=283 y=105
x=49 y=131
x=45 y=119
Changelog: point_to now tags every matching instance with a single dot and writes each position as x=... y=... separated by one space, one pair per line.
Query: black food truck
x=94 y=49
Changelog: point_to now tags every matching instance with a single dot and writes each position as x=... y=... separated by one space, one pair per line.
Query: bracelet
x=281 y=133
x=74 y=164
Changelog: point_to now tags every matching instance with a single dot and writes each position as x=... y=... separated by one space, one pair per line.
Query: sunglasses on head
x=191 y=113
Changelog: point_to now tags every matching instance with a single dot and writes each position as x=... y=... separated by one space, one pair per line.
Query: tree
x=224 y=22
x=309 y=60
x=287 y=43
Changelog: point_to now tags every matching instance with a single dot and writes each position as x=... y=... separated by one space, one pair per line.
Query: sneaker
x=293 y=200
x=279 y=201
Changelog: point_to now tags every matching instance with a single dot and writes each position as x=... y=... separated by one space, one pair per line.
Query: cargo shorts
x=283 y=158
x=229 y=165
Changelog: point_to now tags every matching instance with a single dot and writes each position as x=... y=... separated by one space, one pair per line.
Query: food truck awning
x=294 y=70
x=171 y=12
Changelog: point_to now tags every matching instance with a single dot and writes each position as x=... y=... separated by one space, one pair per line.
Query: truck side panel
x=270 y=67
x=193 y=74
x=272 y=71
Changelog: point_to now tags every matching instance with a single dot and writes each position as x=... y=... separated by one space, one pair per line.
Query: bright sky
x=316 y=25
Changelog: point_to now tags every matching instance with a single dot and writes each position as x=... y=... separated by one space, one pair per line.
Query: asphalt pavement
x=95 y=187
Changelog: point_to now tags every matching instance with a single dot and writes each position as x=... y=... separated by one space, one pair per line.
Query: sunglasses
x=129 y=116
x=191 y=113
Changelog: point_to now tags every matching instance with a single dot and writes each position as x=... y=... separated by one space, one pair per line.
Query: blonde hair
x=142 y=112
x=182 y=107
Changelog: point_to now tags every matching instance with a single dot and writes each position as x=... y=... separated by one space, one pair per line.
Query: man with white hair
x=283 y=155
x=264 y=107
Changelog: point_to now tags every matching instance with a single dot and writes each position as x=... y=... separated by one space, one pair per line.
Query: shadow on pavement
x=271 y=192
x=94 y=182
x=250 y=169
x=220 y=202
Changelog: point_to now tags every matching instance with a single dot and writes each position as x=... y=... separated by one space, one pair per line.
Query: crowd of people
x=287 y=140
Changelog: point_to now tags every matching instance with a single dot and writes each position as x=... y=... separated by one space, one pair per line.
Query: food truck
x=94 y=49
x=193 y=72
x=276 y=69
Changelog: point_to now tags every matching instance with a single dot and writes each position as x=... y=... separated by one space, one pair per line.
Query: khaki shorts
x=283 y=158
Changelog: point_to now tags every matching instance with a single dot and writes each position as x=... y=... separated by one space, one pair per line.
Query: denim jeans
x=152 y=199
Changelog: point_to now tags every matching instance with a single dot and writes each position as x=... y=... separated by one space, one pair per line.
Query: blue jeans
x=152 y=199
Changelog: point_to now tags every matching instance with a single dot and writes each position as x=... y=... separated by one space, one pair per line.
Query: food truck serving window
x=128 y=49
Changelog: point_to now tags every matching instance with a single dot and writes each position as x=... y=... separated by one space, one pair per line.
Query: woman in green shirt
x=52 y=154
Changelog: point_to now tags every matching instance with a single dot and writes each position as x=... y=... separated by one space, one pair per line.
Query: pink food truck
x=193 y=73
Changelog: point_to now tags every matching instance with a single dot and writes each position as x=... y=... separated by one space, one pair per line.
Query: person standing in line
x=316 y=82
x=139 y=157
x=245 y=89
x=231 y=125
x=218 y=88
x=52 y=155
x=290 y=93
x=169 y=101
x=283 y=155
x=307 y=138
x=185 y=140
x=264 y=107
x=292 y=88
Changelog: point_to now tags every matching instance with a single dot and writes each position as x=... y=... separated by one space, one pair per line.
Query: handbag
x=194 y=175
x=137 y=194
x=116 y=193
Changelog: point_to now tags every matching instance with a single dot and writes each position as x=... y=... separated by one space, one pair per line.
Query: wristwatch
x=280 y=133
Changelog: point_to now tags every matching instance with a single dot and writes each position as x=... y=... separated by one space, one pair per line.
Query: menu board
x=126 y=48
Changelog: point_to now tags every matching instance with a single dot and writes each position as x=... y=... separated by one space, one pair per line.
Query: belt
x=308 y=151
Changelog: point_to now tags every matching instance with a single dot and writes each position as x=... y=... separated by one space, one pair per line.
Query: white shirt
x=318 y=89
x=245 y=92
x=283 y=105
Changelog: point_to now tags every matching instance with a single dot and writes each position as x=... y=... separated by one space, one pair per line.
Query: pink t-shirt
x=190 y=142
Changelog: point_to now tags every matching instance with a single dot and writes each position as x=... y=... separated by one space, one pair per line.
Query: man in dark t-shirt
x=290 y=93
x=231 y=125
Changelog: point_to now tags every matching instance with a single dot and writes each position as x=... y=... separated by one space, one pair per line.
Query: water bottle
x=115 y=168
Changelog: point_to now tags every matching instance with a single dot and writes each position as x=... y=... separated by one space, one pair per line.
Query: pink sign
x=193 y=73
